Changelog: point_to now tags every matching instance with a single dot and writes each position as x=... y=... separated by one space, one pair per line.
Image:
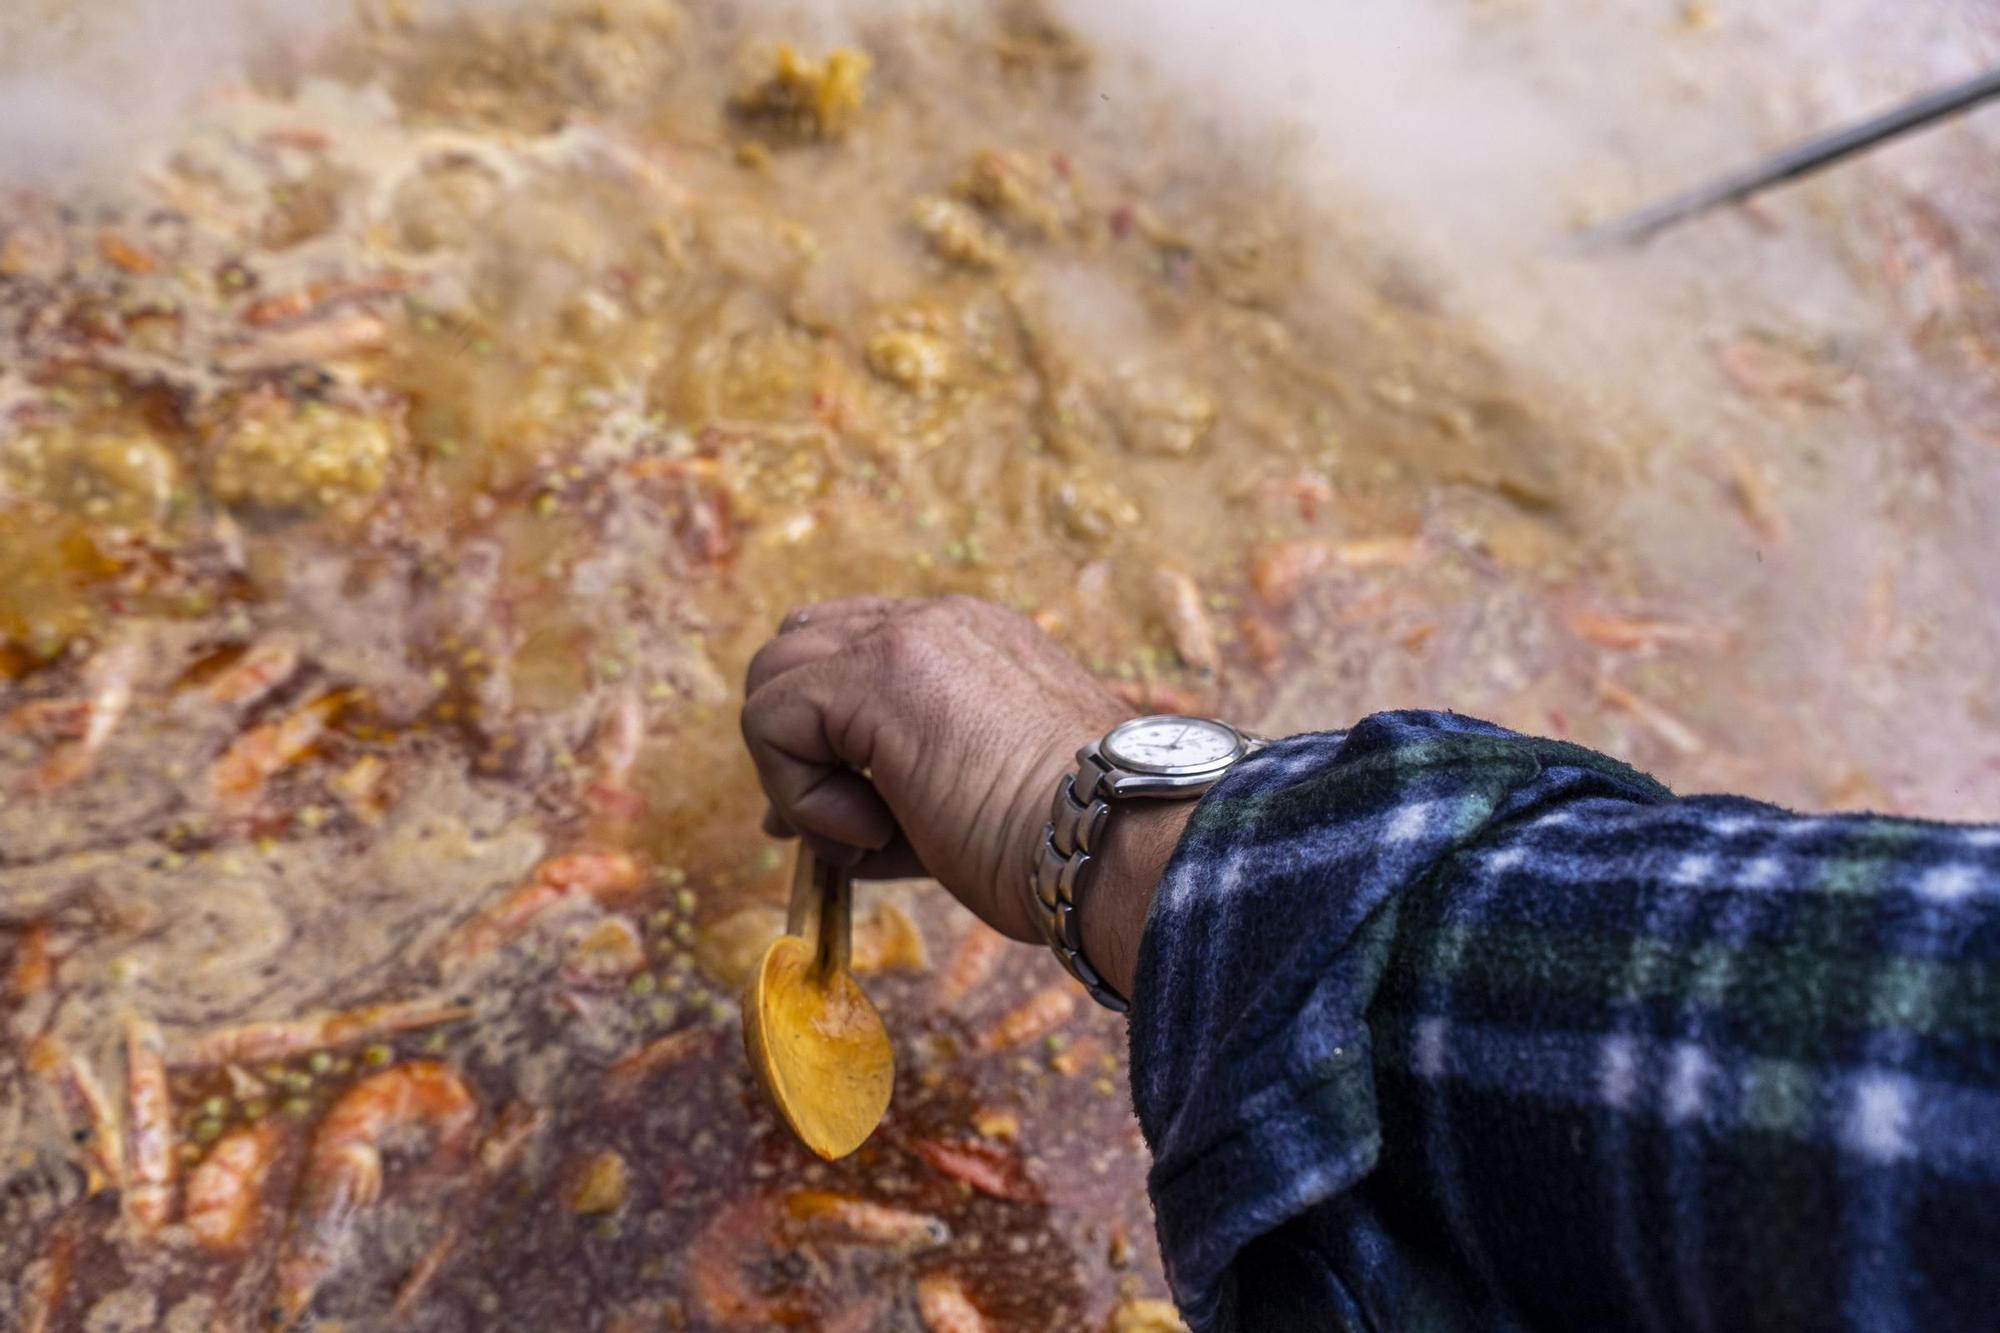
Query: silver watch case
x=1070 y=841
x=1126 y=776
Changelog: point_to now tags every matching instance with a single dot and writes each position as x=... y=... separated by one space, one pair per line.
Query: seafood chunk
x=149 y=1192
x=1034 y=1018
x=262 y=668
x=82 y=1101
x=1179 y=600
x=226 y=1189
x=945 y=1306
x=630 y=1073
x=253 y=1042
x=971 y=966
x=604 y=877
x=849 y=1218
x=986 y=1167
x=260 y=754
x=343 y=1170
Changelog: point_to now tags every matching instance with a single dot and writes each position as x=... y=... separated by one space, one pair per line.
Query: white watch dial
x=1171 y=745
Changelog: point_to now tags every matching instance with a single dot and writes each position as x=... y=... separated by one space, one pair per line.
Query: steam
x=80 y=83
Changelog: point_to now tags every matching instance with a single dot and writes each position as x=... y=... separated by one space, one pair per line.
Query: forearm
x=1433 y=990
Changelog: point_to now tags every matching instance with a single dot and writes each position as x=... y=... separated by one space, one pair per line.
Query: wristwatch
x=1164 y=757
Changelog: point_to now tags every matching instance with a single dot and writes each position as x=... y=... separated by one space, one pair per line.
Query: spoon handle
x=836 y=919
x=802 y=917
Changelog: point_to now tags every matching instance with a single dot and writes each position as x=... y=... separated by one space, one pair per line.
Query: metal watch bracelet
x=1064 y=869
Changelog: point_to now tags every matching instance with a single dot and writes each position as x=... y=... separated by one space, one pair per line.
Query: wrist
x=1139 y=841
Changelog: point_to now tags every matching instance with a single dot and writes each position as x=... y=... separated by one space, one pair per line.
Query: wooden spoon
x=814 y=1041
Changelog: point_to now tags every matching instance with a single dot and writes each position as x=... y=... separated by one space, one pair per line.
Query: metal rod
x=1799 y=160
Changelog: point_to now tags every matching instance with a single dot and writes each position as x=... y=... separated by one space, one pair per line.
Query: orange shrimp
x=343 y=1171
x=84 y=1104
x=337 y=336
x=279 y=1040
x=986 y=1167
x=261 y=669
x=34 y=969
x=604 y=877
x=1178 y=601
x=315 y=299
x=720 y=1259
x=149 y=1195
x=945 y=1306
x=858 y=1221
x=887 y=940
x=979 y=952
x=238 y=777
x=621 y=731
x=630 y=1073
x=41 y=1299
x=110 y=674
x=716 y=1268
x=1034 y=1018
x=226 y=1189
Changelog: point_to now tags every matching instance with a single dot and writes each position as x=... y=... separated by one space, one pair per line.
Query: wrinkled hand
x=921 y=737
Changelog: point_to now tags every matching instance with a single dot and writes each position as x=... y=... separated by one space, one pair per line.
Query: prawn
x=620 y=731
x=720 y=1259
x=343 y=1170
x=149 y=1102
x=225 y=1189
x=604 y=877
x=84 y=1103
x=629 y=1073
x=945 y=1306
x=34 y=969
x=857 y=1221
x=1034 y=1018
x=41 y=1299
x=318 y=298
x=979 y=952
x=887 y=940
x=1178 y=599
x=261 y=669
x=110 y=698
x=238 y=777
x=249 y=1043
x=986 y=1167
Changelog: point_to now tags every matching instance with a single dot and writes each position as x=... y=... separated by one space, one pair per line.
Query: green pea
x=319 y=1062
x=207 y=1131
x=298 y=1108
x=686 y=900
x=377 y=1055
x=215 y=1107
x=643 y=984
x=256 y=1109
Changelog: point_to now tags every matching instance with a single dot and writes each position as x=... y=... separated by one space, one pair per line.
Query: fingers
x=788 y=652
x=812 y=633
x=875 y=609
x=813 y=789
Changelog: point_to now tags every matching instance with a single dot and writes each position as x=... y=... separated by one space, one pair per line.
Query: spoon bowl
x=817 y=1045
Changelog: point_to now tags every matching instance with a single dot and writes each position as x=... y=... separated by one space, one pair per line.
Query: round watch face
x=1171 y=745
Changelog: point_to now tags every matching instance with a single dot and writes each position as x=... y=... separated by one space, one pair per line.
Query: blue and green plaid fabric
x=1440 y=1027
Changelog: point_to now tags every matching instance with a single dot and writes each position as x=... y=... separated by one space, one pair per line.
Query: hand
x=922 y=737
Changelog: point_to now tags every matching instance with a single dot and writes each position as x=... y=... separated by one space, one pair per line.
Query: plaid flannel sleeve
x=1441 y=1027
